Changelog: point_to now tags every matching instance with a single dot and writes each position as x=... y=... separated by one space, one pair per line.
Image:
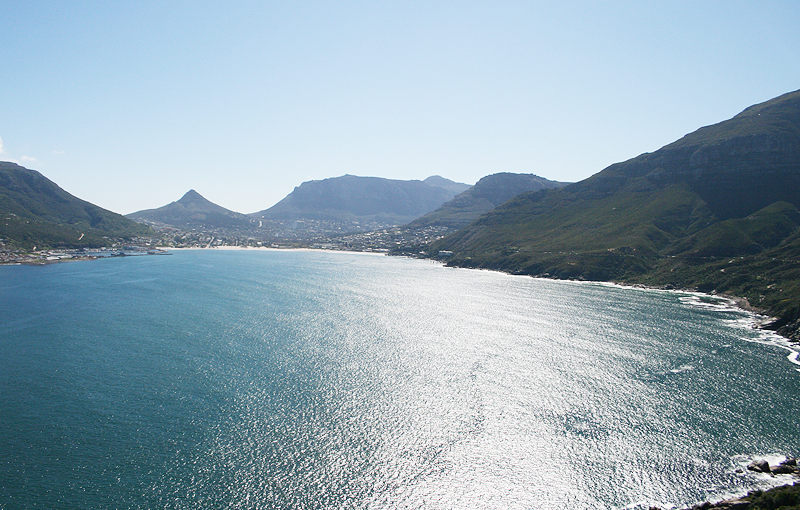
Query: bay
x=294 y=379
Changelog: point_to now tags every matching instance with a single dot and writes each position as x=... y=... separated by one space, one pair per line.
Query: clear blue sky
x=130 y=104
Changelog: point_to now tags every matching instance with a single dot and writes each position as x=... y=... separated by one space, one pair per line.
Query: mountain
x=716 y=210
x=356 y=200
x=454 y=187
x=193 y=211
x=36 y=212
x=488 y=193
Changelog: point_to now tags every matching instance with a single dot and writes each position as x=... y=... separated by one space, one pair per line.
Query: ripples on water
x=329 y=380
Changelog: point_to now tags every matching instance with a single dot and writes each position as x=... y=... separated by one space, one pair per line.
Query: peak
x=192 y=195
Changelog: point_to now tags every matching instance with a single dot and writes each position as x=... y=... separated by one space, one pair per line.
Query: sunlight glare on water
x=329 y=380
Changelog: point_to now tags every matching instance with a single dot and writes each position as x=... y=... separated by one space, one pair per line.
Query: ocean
x=269 y=379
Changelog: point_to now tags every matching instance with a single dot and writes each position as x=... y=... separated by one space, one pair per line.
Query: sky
x=128 y=105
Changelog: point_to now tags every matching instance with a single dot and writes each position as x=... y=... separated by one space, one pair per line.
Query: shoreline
x=270 y=248
x=762 y=318
x=42 y=258
x=787 y=494
x=47 y=257
x=759 y=319
x=724 y=299
x=740 y=302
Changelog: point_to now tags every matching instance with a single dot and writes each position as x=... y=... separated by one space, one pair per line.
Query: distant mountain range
x=35 y=212
x=371 y=200
x=193 y=211
x=488 y=193
x=716 y=210
x=335 y=205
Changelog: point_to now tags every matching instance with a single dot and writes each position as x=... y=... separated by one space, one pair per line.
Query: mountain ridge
x=36 y=212
x=667 y=218
x=489 y=192
x=355 y=199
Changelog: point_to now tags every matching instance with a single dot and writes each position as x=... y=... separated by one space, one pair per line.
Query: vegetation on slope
x=786 y=497
x=488 y=193
x=35 y=212
x=716 y=211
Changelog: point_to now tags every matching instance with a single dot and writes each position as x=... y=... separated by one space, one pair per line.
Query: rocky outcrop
x=729 y=504
x=789 y=466
x=759 y=466
x=785 y=496
x=786 y=467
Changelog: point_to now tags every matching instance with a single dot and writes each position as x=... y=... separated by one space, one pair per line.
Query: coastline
x=769 y=322
x=762 y=320
x=270 y=248
x=727 y=300
x=783 y=495
x=46 y=257
x=759 y=320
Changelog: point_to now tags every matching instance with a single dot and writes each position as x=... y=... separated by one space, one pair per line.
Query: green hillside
x=35 y=212
x=717 y=210
x=488 y=193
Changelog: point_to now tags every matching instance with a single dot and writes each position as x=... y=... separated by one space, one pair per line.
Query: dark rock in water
x=737 y=504
x=730 y=504
x=759 y=466
x=787 y=467
x=783 y=469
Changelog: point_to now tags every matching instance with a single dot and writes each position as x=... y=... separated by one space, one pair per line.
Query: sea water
x=291 y=379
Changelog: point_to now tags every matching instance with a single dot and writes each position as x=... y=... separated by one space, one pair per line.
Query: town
x=395 y=241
